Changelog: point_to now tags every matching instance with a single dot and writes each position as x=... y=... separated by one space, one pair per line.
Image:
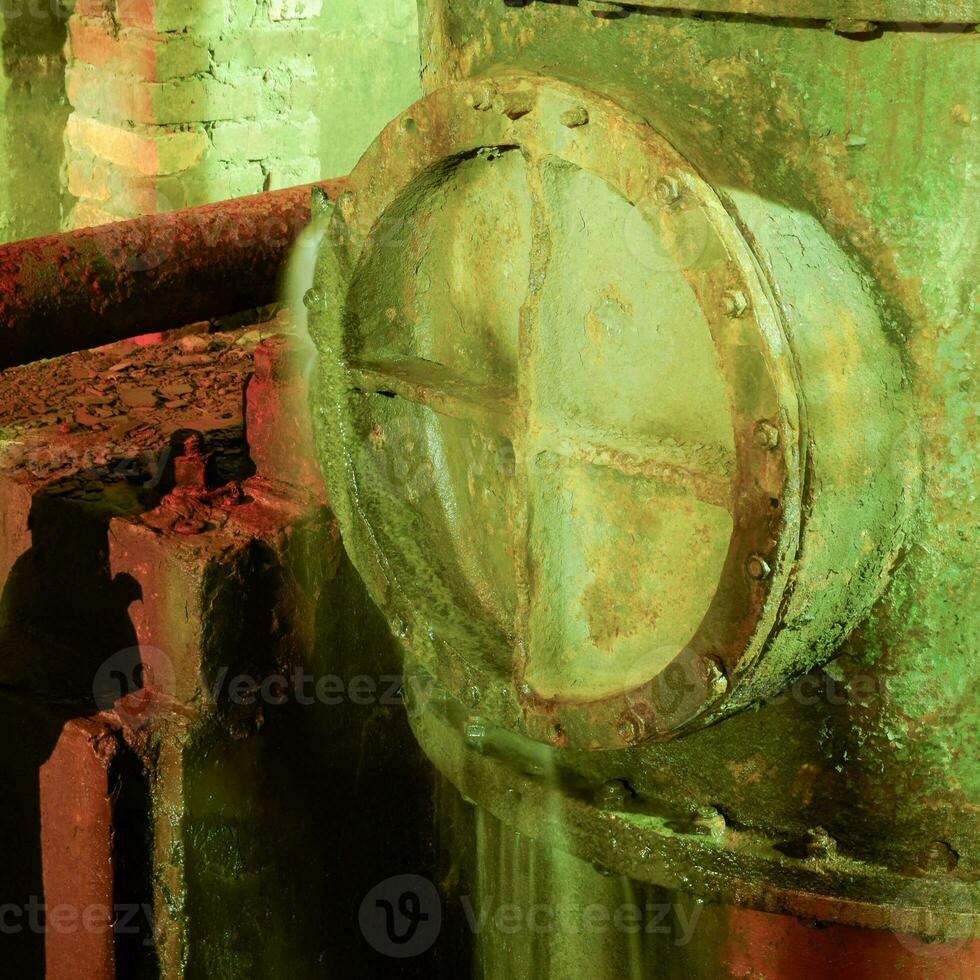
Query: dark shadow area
x=290 y=828
x=286 y=816
x=62 y=612
x=383 y=806
x=30 y=728
x=136 y=957
x=768 y=20
x=29 y=732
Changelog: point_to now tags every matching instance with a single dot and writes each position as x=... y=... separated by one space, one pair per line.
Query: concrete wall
x=33 y=111
x=369 y=72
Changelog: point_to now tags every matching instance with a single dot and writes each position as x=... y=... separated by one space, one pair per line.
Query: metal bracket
x=911 y=15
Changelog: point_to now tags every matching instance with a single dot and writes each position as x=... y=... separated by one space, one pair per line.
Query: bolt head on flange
x=668 y=190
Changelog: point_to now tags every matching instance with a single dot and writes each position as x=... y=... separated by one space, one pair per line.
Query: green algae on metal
x=844 y=164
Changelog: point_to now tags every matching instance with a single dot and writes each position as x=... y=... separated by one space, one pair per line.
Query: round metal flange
x=667 y=841
x=559 y=421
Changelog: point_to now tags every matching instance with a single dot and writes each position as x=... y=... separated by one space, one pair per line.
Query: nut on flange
x=668 y=190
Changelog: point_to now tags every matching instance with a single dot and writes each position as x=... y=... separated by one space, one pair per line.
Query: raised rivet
x=668 y=190
x=189 y=526
x=736 y=303
x=630 y=729
x=514 y=106
x=573 y=118
x=605 y=8
x=614 y=795
x=313 y=299
x=476 y=731
x=483 y=98
x=709 y=822
x=851 y=25
x=939 y=857
x=717 y=680
x=766 y=435
x=819 y=844
x=758 y=568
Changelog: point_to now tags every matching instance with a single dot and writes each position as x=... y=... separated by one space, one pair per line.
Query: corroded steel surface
x=847 y=14
x=182 y=566
x=93 y=286
x=589 y=468
x=665 y=834
x=843 y=156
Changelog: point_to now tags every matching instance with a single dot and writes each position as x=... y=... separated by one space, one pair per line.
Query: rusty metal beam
x=902 y=14
x=81 y=289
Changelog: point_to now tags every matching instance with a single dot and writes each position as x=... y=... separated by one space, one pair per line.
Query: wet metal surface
x=566 y=426
x=838 y=140
x=86 y=288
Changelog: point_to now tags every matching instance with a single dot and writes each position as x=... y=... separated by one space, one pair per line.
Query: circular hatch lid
x=558 y=420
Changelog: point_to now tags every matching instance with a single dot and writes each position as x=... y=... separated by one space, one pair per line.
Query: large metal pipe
x=81 y=289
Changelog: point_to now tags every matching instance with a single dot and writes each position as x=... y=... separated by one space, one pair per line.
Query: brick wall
x=189 y=101
x=179 y=103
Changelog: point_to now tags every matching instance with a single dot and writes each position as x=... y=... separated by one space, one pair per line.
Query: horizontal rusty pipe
x=81 y=289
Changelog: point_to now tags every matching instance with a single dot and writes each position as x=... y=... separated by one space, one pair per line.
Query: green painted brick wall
x=366 y=71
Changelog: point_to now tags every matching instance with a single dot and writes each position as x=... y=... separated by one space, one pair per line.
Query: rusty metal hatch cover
x=560 y=422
